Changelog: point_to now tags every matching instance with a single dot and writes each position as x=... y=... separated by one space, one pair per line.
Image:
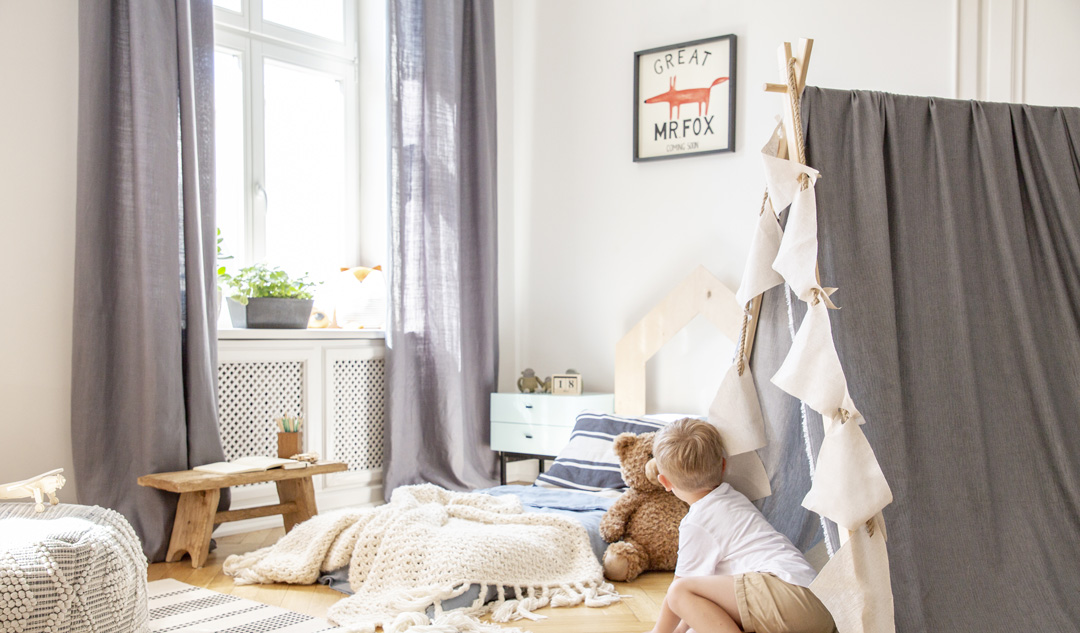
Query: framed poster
x=684 y=99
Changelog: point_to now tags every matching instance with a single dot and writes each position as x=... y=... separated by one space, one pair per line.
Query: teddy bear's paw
x=615 y=566
x=624 y=561
x=610 y=531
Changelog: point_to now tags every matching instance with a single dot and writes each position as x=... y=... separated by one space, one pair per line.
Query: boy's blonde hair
x=690 y=453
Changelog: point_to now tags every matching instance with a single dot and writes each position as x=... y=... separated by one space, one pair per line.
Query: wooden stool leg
x=302 y=493
x=193 y=525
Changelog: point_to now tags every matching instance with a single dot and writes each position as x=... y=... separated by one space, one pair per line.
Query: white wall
x=38 y=89
x=599 y=239
x=589 y=240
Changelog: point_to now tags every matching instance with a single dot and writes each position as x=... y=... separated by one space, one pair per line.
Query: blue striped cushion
x=588 y=460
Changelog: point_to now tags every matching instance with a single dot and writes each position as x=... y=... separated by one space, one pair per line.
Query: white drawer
x=530 y=439
x=546 y=409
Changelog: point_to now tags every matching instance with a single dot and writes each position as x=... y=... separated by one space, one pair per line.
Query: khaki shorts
x=770 y=605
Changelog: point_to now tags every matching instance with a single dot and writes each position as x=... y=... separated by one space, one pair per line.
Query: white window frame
x=256 y=40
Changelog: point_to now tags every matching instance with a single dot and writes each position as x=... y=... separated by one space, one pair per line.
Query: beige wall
x=38 y=89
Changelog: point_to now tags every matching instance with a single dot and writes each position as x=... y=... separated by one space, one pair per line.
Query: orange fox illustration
x=677 y=98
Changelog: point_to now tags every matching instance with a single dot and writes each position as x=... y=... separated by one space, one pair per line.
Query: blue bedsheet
x=583 y=507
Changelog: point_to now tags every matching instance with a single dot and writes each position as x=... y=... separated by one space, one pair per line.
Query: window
x=287 y=133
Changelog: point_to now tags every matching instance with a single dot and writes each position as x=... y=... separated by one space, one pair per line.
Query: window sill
x=236 y=334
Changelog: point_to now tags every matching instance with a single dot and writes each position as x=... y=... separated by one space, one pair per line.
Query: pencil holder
x=288 y=444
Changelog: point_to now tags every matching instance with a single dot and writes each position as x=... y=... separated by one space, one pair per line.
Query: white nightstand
x=538 y=425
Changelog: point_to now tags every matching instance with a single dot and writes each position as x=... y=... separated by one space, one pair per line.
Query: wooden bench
x=196 y=514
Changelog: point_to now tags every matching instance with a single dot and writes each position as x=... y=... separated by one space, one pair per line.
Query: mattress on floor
x=584 y=507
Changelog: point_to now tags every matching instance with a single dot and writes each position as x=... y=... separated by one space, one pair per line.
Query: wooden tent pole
x=790 y=148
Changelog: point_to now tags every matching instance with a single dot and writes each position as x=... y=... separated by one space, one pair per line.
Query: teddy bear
x=642 y=526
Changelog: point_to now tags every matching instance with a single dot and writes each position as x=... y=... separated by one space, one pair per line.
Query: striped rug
x=177 y=606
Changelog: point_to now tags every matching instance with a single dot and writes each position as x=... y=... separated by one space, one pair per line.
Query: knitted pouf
x=70 y=569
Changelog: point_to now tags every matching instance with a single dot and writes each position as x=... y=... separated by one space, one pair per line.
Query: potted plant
x=265 y=297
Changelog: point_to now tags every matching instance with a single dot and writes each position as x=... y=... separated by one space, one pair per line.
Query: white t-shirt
x=724 y=534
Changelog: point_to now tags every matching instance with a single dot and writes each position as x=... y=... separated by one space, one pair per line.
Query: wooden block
x=301 y=493
x=566 y=384
x=193 y=525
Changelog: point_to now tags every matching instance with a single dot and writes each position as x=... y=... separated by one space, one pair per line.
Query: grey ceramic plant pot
x=265 y=312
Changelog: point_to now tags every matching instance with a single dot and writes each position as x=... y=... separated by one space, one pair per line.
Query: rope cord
x=796 y=113
x=743 y=342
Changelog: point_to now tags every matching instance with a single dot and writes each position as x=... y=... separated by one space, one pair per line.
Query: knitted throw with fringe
x=428 y=545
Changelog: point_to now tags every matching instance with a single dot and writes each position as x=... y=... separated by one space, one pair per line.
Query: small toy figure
x=36 y=487
x=529 y=383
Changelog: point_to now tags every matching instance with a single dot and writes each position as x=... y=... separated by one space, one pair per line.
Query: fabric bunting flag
x=782 y=179
x=849 y=487
x=736 y=412
x=759 y=275
x=812 y=372
x=796 y=260
x=746 y=473
x=855 y=586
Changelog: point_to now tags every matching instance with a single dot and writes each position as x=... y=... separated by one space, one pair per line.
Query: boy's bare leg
x=706 y=603
x=668 y=622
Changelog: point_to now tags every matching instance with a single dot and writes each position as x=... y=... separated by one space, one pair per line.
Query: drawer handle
x=528 y=406
x=527 y=436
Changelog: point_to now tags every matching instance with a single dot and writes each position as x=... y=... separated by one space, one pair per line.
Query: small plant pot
x=266 y=312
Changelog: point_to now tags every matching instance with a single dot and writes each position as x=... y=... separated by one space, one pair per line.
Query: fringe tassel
x=408 y=609
x=239 y=566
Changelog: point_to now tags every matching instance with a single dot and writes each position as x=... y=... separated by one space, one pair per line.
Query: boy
x=735 y=571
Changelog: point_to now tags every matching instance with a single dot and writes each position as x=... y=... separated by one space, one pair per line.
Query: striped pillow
x=588 y=460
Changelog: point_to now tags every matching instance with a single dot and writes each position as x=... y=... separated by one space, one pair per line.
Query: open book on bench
x=250 y=464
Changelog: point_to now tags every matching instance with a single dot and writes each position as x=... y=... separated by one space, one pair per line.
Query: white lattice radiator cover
x=252 y=393
x=358 y=410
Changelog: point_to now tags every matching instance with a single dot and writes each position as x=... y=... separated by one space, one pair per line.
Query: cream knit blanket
x=428 y=545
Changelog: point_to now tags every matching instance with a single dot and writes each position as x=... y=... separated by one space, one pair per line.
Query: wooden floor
x=634 y=614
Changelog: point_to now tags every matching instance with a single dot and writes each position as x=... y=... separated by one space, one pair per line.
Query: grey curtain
x=443 y=326
x=952 y=229
x=144 y=347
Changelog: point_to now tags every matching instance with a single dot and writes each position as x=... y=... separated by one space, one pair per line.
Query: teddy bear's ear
x=623 y=443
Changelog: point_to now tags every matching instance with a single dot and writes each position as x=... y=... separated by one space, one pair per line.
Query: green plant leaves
x=260 y=280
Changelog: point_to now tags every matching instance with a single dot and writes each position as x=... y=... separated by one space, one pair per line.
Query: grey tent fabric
x=784 y=457
x=442 y=336
x=144 y=342
x=952 y=229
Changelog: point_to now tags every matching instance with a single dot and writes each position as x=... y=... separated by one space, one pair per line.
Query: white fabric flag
x=849 y=487
x=736 y=412
x=759 y=275
x=746 y=473
x=796 y=259
x=811 y=371
x=854 y=585
x=782 y=179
